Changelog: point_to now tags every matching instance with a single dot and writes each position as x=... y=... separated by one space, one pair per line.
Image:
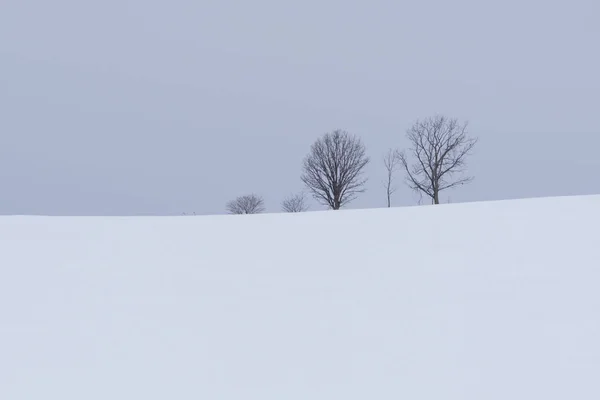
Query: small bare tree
x=295 y=203
x=249 y=204
x=333 y=169
x=391 y=160
x=439 y=146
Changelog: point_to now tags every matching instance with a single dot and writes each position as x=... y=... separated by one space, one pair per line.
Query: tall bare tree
x=333 y=169
x=249 y=204
x=391 y=160
x=295 y=203
x=439 y=147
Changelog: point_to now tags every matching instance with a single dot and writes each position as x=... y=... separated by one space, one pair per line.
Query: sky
x=144 y=107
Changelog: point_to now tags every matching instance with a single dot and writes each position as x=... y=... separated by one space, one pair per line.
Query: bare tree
x=249 y=204
x=391 y=160
x=333 y=169
x=439 y=146
x=295 y=203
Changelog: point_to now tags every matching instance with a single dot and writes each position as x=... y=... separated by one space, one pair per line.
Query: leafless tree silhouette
x=439 y=146
x=391 y=160
x=295 y=203
x=333 y=169
x=249 y=204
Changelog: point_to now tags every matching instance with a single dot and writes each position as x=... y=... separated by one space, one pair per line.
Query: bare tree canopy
x=249 y=204
x=439 y=146
x=295 y=203
x=391 y=160
x=333 y=169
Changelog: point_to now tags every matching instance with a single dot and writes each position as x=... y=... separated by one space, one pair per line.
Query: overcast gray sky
x=163 y=107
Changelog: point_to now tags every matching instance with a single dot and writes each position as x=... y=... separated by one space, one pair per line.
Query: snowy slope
x=482 y=301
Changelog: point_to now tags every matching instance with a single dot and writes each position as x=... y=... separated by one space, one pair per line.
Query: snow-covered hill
x=482 y=301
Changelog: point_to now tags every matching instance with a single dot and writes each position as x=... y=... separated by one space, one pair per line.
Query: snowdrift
x=481 y=301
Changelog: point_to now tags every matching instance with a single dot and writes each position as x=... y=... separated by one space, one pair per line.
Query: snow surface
x=481 y=301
